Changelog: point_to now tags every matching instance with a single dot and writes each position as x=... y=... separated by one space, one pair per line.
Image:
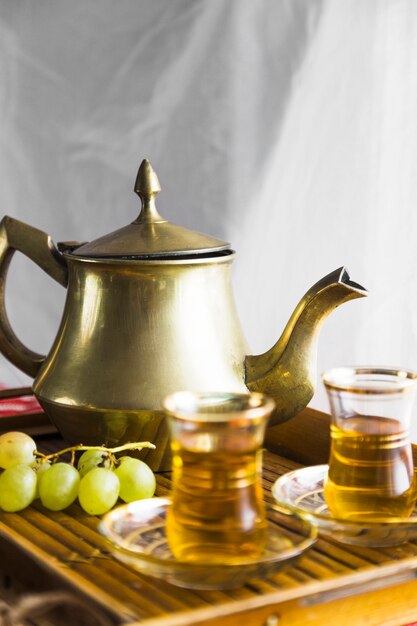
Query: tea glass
x=217 y=513
x=371 y=474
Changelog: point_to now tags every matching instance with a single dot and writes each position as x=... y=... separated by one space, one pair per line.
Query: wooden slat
x=15 y=392
x=373 y=609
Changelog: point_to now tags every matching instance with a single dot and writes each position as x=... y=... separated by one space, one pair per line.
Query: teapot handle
x=38 y=246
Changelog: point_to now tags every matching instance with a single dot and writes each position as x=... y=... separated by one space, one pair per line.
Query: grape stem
x=139 y=445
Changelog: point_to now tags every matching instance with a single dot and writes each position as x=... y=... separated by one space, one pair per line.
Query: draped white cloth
x=286 y=127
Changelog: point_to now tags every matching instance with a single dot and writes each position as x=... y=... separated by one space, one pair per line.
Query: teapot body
x=150 y=311
x=131 y=333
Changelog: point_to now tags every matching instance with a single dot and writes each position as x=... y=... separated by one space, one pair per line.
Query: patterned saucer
x=301 y=491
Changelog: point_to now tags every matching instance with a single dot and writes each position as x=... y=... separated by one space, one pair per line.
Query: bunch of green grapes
x=98 y=480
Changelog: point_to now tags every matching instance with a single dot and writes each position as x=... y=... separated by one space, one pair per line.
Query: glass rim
x=199 y=406
x=346 y=379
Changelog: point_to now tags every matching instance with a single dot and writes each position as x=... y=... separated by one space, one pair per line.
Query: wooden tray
x=44 y=550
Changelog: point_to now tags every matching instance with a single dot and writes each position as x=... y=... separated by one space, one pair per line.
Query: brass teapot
x=149 y=311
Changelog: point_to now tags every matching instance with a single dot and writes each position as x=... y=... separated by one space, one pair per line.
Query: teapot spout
x=287 y=372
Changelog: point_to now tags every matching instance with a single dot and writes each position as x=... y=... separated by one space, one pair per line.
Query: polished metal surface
x=132 y=334
x=136 y=328
x=38 y=246
x=287 y=371
x=150 y=235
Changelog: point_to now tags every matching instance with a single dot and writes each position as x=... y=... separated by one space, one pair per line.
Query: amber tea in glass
x=371 y=473
x=217 y=513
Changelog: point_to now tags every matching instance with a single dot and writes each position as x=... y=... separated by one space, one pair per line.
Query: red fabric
x=22 y=404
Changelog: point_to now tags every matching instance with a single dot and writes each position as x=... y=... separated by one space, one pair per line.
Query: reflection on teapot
x=149 y=311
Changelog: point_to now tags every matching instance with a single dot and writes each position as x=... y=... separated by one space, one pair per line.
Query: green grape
x=137 y=480
x=17 y=488
x=58 y=486
x=99 y=490
x=39 y=468
x=15 y=449
x=91 y=459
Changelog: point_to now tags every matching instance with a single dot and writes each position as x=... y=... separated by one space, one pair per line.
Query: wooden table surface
x=42 y=550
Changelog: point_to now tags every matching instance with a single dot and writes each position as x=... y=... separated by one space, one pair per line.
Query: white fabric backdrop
x=287 y=127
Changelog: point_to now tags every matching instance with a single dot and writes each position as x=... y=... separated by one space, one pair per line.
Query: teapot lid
x=150 y=235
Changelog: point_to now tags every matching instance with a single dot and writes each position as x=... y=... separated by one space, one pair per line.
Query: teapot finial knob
x=147 y=186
